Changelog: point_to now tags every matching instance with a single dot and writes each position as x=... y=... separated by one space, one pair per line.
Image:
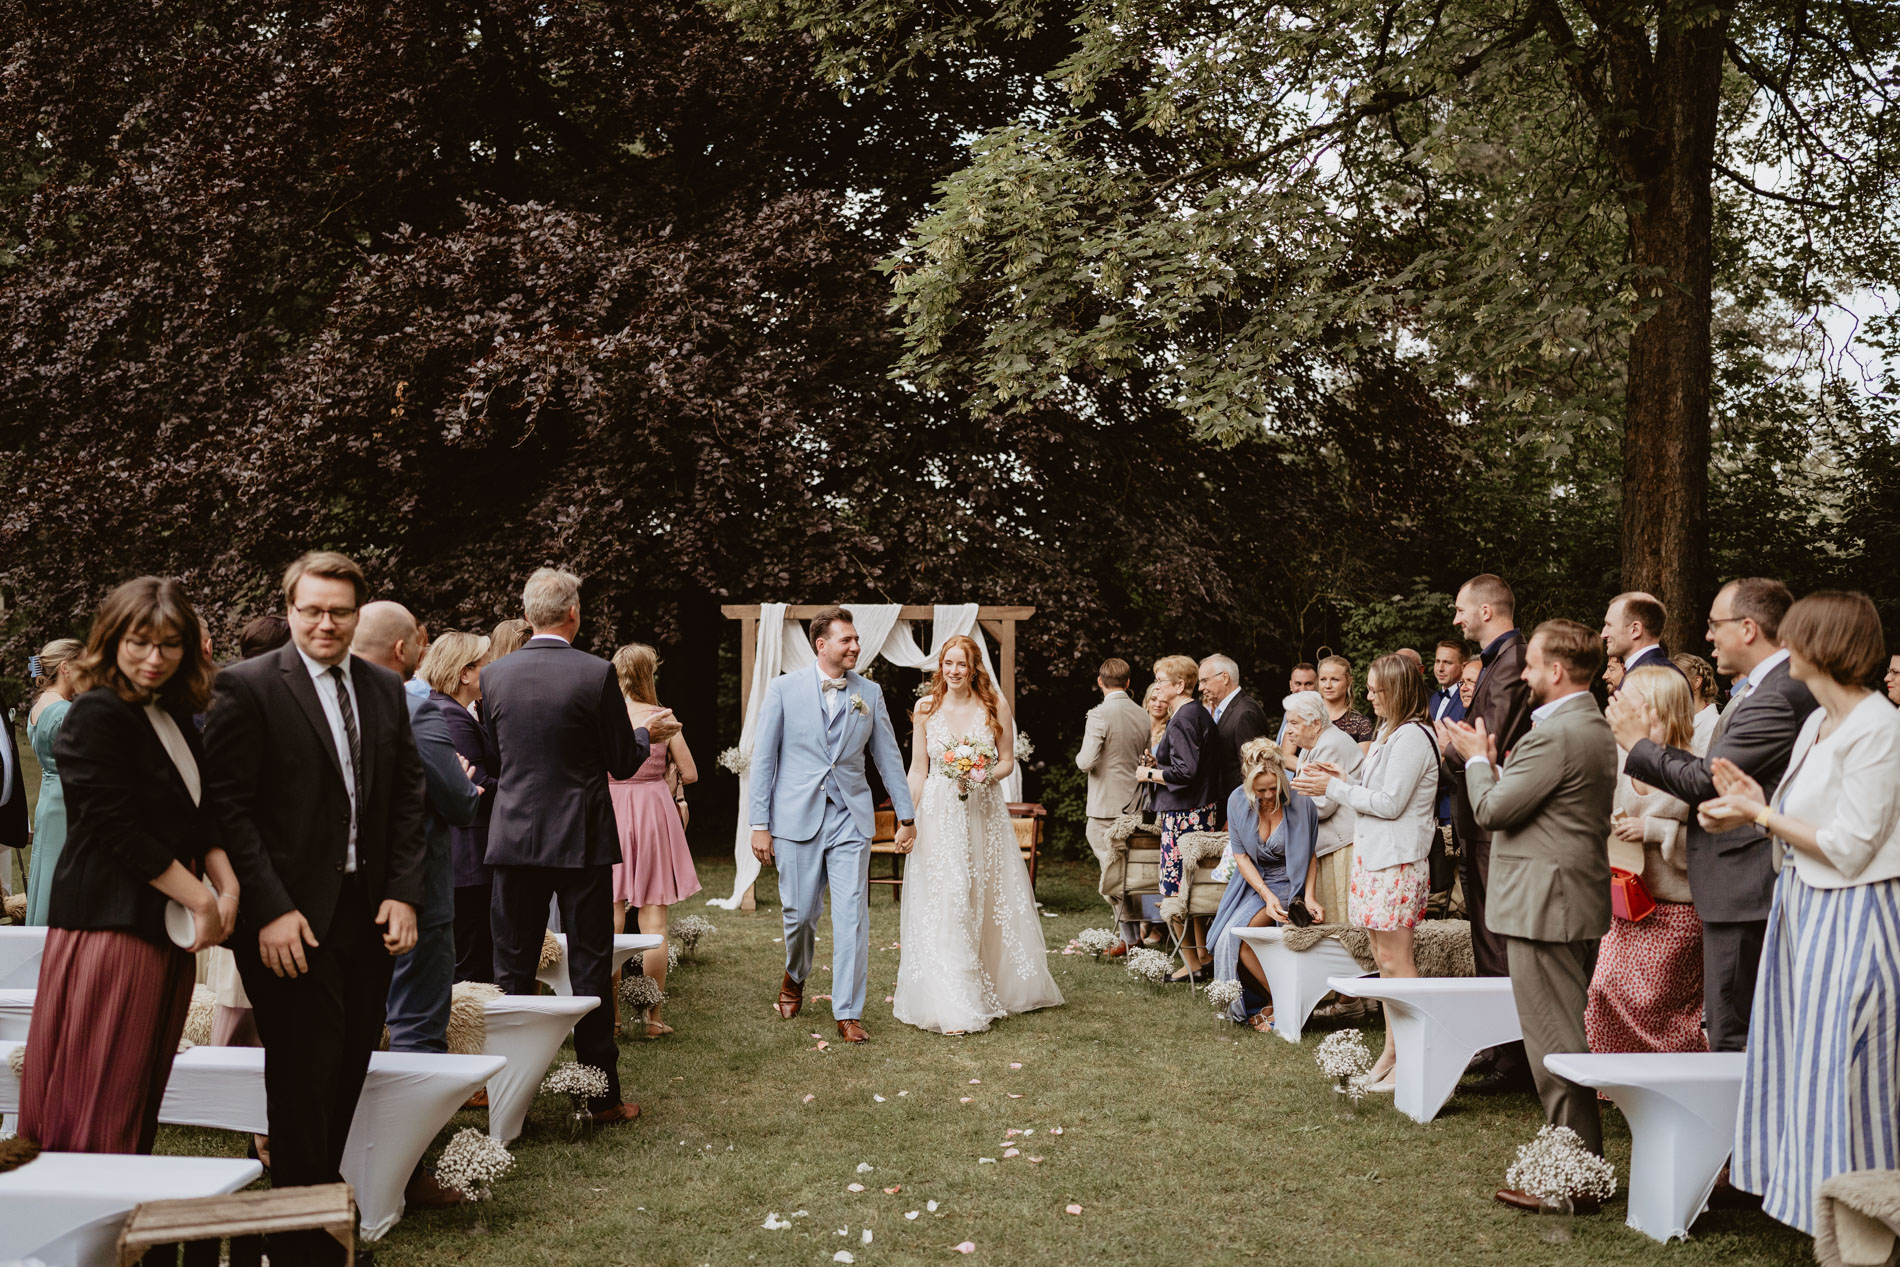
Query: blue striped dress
x=1821 y=1094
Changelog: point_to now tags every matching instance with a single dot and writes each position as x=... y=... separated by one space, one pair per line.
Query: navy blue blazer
x=451 y=802
x=1189 y=757
x=468 y=843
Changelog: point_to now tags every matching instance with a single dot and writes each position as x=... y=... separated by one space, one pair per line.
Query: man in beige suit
x=1112 y=744
x=1548 y=809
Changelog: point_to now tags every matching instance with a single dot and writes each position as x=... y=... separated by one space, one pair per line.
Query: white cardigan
x=1847 y=787
x=1396 y=795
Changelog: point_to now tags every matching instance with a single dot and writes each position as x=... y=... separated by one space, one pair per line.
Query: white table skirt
x=1297 y=978
x=16 y=1013
x=66 y=1209
x=406 y=1099
x=626 y=946
x=1681 y=1108
x=1438 y=1024
x=20 y=951
x=525 y=1030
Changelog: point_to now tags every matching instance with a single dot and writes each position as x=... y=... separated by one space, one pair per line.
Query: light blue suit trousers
x=838 y=856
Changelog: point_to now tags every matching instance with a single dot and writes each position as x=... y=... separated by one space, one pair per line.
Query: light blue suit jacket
x=792 y=763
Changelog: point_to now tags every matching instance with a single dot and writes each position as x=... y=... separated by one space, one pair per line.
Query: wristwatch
x=906 y=822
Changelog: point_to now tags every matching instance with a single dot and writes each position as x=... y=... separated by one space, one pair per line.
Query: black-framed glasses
x=314 y=615
x=1724 y=620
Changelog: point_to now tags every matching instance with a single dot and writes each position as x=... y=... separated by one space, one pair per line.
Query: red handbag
x=1628 y=898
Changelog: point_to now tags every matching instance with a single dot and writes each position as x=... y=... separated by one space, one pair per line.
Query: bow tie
x=832 y=683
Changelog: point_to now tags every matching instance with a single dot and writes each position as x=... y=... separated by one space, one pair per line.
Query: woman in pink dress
x=656 y=868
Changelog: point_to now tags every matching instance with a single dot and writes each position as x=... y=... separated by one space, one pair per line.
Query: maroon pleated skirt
x=106 y=1023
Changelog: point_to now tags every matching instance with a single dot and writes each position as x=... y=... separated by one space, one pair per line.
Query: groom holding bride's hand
x=812 y=813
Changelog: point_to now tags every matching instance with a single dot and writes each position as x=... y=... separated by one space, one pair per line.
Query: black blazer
x=559 y=728
x=278 y=785
x=1241 y=722
x=13 y=828
x=468 y=845
x=128 y=817
x=1503 y=698
x=1731 y=873
x=1189 y=757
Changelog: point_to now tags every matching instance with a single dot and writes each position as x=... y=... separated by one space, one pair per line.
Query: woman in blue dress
x=53 y=673
x=1272 y=831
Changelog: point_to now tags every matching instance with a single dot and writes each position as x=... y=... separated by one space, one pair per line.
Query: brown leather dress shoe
x=616 y=1115
x=791 y=997
x=851 y=1031
x=426 y=1192
x=1116 y=951
x=1548 y=1205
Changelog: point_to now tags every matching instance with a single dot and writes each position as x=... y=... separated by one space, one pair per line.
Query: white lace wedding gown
x=971 y=938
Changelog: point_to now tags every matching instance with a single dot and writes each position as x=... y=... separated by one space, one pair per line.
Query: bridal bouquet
x=968 y=763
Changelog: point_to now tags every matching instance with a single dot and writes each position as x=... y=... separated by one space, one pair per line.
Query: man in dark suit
x=1731 y=873
x=1632 y=632
x=1486 y=612
x=311 y=764
x=1238 y=717
x=558 y=726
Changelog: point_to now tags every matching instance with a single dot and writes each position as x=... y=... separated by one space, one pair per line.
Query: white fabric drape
x=782 y=647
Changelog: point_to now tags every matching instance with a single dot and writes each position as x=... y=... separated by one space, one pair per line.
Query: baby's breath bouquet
x=688 y=932
x=1096 y=941
x=1556 y=1165
x=734 y=761
x=1221 y=995
x=472 y=1162
x=1151 y=966
x=580 y=1084
x=1343 y=1056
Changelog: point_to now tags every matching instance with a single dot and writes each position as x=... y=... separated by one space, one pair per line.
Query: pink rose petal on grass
x=976 y=1082
x=1015 y=1095
x=1074 y=1209
x=1012 y=1152
x=967 y=1247
x=809 y=1097
x=1034 y=1161
x=893 y=1190
x=1015 y=1064
x=965 y=1099
x=1055 y=1130
x=1012 y=1131
x=854 y=1187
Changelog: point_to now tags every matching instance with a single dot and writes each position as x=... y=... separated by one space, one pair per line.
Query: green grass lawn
x=1185 y=1140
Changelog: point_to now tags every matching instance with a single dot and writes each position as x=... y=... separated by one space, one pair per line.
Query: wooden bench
x=329 y=1207
x=1025 y=816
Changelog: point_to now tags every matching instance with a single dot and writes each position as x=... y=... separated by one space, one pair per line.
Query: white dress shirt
x=832 y=700
x=1847 y=787
x=1760 y=671
x=1225 y=700
x=326 y=696
x=1652 y=652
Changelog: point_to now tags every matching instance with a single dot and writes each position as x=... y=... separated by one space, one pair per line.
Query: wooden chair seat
x=329 y=1207
x=1025 y=816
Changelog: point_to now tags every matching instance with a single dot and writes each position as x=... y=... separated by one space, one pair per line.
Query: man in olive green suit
x=1547 y=805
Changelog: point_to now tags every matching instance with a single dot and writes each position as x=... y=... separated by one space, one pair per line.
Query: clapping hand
x=1633 y=719
x=1740 y=800
x=1313 y=778
x=1471 y=742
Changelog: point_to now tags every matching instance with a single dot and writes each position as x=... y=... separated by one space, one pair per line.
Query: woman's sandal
x=1262 y=1020
x=655 y=1029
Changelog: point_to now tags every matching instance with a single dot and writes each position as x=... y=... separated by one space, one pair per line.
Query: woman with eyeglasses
x=452 y=667
x=115 y=985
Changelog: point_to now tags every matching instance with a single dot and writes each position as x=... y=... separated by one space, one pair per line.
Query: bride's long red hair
x=980 y=684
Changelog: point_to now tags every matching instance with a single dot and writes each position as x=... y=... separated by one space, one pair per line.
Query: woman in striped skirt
x=1821 y=1094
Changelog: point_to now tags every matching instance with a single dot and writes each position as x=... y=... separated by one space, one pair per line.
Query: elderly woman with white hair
x=1310 y=730
x=1271 y=833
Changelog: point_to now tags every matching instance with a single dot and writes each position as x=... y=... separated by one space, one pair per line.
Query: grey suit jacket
x=1112 y=743
x=1731 y=873
x=1548 y=812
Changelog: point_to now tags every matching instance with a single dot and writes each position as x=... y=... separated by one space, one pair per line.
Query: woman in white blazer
x=1823 y=1072
x=1394 y=800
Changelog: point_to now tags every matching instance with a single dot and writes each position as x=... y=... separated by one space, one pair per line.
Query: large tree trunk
x=1666 y=429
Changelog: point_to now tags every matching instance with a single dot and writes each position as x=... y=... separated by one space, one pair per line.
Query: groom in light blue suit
x=812 y=811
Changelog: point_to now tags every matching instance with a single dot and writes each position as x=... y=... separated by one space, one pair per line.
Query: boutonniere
x=858 y=705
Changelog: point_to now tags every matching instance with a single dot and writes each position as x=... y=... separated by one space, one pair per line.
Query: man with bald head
x=418 y=1010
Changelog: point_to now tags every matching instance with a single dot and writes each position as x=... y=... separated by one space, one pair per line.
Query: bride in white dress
x=971 y=938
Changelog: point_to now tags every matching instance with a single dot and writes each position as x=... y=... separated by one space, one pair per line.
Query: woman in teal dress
x=54 y=675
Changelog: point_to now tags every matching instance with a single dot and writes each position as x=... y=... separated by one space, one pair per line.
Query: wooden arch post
x=998 y=622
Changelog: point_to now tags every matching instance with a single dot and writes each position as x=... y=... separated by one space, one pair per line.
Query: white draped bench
x=626 y=946
x=1681 y=1108
x=1297 y=978
x=407 y=1098
x=16 y=1013
x=525 y=1030
x=1439 y=1024
x=20 y=951
x=66 y=1209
